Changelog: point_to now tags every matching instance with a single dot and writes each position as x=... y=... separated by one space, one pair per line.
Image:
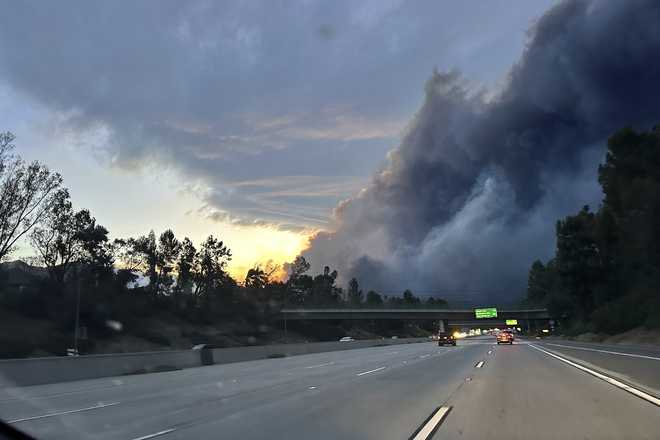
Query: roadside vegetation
x=605 y=274
x=147 y=292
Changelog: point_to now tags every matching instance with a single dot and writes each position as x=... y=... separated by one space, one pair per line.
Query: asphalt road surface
x=477 y=390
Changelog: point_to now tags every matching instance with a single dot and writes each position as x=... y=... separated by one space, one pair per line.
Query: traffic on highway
x=476 y=389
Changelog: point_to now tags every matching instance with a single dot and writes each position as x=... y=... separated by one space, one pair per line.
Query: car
x=346 y=339
x=446 y=339
x=504 y=338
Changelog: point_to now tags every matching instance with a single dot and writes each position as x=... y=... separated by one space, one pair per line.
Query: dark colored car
x=446 y=339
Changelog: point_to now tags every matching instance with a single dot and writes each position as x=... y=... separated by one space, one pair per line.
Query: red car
x=505 y=338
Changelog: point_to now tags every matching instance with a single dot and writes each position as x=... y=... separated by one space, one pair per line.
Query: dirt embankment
x=637 y=336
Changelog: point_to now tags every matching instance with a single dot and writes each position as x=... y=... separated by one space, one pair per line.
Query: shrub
x=620 y=315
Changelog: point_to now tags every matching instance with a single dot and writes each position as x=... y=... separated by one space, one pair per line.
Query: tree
x=140 y=255
x=354 y=293
x=578 y=259
x=210 y=264
x=65 y=238
x=149 y=249
x=184 y=267
x=324 y=291
x=298 y=284
x=95 y=251
x=373 y=298
x=409 y=298
x=167 y=253
x=297 y=268
x=537 y=283
x=26 y=195
x=607 y=263
x=258 y=277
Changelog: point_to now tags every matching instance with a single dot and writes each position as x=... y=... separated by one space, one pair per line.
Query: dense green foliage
x=606 y=270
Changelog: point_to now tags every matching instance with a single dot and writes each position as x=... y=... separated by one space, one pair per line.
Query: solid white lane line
x=370 y=371
x=321 y=365
x=610 y=380
x=155 y=434
x=60 y=413
x=424 y=356
x=480 y=364
x=618 y=353
x=431 y=425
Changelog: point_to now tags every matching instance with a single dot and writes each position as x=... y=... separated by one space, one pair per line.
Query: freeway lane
x=394 y=387
x=637 y=365
x=524 y=393
x=395 y=392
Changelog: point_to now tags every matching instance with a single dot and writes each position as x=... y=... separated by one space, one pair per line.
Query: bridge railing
x=424 y=305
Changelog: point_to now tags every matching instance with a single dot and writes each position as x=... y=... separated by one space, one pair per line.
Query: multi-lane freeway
x=477 y=390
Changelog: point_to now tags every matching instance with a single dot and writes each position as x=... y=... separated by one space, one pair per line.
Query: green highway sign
x=511 y=322
x=490 y=312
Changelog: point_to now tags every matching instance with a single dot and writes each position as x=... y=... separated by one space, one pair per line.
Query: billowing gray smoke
x=470 y=197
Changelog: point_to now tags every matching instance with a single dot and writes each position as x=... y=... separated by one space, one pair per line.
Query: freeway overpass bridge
x=445 y=317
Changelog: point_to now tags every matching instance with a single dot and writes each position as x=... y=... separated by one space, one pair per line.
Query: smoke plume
x=469 y=198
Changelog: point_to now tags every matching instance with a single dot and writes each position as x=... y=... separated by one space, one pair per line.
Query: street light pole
x=75 y=333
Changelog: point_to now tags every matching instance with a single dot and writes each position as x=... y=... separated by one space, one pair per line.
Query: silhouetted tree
x=373 y=298
x=409 y=298
x=26 y=195
x=297 y=284
x=65 y=238
x=167 y=254
x=355 y=296
x=184 y=267
x=210 y=264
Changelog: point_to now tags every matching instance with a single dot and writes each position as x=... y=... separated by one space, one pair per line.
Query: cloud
x=469 y=198
x=236 y=90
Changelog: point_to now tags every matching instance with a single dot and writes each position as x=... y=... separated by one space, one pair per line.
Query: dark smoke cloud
x=470 y=197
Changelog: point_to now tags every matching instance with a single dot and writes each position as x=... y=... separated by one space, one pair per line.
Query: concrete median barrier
x=37 y=371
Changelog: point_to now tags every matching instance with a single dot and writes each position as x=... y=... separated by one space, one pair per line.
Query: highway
x=546 y=389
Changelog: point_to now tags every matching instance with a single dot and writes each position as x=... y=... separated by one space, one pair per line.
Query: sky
x=251 y=121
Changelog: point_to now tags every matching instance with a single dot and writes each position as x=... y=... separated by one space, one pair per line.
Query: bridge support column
x=442 y=325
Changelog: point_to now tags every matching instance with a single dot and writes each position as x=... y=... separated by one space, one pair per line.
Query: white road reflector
x=639 y=393
x=61 y=413
x=480 y=364
x=429 y=427
x=155 y=434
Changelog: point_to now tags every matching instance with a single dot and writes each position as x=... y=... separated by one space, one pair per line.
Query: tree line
x=605 y=273
x=128 y=279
